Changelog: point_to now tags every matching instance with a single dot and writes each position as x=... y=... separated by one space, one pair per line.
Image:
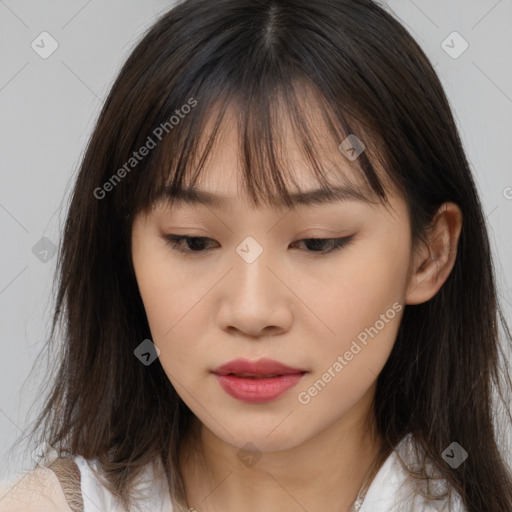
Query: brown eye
x=192 y=243
x=197 y=244
x=325 y=245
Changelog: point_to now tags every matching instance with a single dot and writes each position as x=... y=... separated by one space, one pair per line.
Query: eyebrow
x=318 y=196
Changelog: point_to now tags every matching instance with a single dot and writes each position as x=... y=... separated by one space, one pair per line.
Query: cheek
x=166 y=311
x=362 y=306
x=169 y=302
x=173 y=306
x=157 y=287
x=362 y=299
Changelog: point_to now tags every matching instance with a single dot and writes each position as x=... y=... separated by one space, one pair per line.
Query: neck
x=324 y=473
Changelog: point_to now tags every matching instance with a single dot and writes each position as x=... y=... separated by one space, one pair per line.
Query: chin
x=264 y=436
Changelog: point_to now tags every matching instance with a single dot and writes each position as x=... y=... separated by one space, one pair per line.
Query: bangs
x=262 y=118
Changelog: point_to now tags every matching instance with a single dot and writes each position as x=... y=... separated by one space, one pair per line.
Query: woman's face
x=256 y=289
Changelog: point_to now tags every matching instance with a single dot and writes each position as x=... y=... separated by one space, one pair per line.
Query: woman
x=275 y=278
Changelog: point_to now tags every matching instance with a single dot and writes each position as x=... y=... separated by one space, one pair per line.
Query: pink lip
x=242 y=379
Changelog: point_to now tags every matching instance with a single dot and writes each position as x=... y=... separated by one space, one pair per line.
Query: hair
x=365 y=75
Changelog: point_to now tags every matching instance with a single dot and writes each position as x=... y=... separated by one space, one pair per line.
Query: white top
x=389 y=491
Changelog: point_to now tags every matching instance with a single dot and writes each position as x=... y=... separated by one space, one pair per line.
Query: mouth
x=257 y=382
x=262 y=368
x=253 y=376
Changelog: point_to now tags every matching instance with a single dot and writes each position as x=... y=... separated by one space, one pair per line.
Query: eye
x=196 y=244
x=328 y=244
x=193 y=243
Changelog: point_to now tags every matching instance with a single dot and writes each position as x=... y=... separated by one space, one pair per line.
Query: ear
x=432 y=263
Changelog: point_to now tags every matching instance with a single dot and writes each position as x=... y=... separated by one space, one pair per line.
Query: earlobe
x=433 y=262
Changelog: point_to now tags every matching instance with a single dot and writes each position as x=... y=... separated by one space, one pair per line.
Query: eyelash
x=335 y=243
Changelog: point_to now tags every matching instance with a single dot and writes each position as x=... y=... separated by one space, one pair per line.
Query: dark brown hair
x=368 y=77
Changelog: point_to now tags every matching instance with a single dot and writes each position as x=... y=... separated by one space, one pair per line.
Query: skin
x=293 y=305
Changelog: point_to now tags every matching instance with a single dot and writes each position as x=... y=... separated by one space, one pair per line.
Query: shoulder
x=446 y=498
x=38 y=490
x=73 y=484
x=149 y=490
x=393 y=488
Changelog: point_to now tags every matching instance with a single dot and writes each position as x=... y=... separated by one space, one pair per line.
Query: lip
x=259 y=367
x=257 y=381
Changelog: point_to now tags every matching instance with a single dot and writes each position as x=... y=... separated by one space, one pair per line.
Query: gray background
x=48 y=107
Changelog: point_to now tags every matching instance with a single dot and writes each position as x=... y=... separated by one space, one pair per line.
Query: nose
x=256 y=299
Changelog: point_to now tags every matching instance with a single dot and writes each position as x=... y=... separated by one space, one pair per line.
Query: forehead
x=258 y=152
x=221 y=180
